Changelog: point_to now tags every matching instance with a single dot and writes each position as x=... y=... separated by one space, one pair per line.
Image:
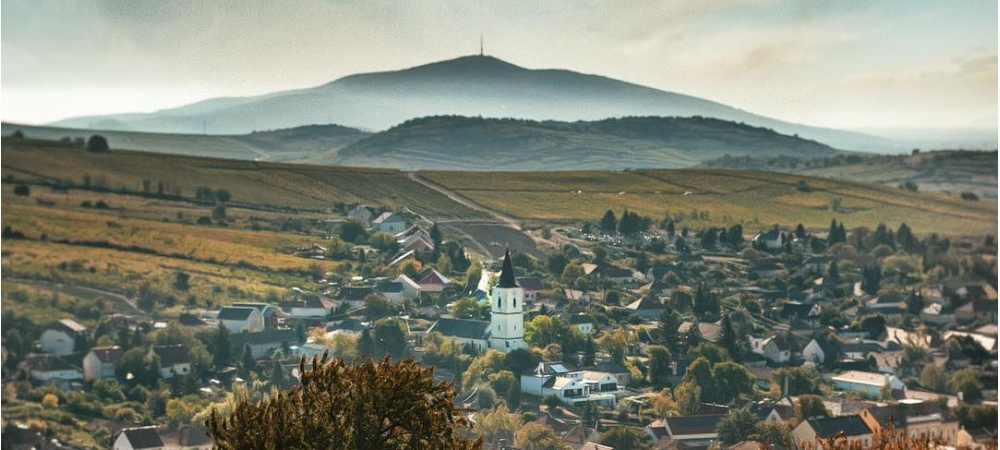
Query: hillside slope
x=464 y=143
x=470 y=86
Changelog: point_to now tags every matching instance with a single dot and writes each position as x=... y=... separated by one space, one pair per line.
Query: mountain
x=297 y=144
x=469 y=86
x=474 y=143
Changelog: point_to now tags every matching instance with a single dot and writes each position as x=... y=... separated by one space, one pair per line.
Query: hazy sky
x=845 y=64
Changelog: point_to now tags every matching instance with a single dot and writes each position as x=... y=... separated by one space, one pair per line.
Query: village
x=722 y=338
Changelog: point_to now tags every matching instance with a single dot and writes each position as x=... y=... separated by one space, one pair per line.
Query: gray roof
x=851 y=425
x=145 y=437
x=236 y=312
x=685 y=425
x=469 y=329
x=238 y=340
x=172 y=354
x=507 y=279
x=70 y=326
x=47 y=363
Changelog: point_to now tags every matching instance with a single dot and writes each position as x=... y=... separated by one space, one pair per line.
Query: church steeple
x=507 y=273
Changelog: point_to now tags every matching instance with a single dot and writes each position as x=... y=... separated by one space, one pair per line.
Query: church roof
x=469 y=329
x=507 y=279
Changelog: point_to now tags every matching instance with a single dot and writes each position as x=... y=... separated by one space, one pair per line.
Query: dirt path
x=74 y=289
x=456 y=197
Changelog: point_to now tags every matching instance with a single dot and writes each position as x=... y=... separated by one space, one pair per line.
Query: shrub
x=22 y=190
x=98 y=144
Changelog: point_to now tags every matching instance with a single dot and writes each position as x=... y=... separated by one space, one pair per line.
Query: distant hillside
x=469 y=86
x=702 y=197
x=289 y=145
x=468 y=143
x=949 y=171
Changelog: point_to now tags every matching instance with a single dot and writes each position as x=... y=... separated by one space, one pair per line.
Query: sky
x=909 y=64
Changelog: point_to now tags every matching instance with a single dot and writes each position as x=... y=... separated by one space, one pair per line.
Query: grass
x=755 y=199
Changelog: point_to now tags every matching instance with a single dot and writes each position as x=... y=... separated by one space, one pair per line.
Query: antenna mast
x=480 y=45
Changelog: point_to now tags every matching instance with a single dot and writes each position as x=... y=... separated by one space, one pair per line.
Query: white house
x=870 y=383
x=388 y=222
x=360 y=213
x=572 y=386
x=174 y=360
x=238 y=319
x=51 y=369
x=777 y=349
x=263 y=344
x=138 y=438
x=101 y=362
x=410 y=288
x=583 y=323
x=771 y=240
x=62 y=337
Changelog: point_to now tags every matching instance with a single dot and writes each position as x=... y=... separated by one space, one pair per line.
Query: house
x=902 y=337
x=710 y=332
x=867 y=382
x=48 y=368
x=777 y=349
x=532 y=287
x=989 y=343
x=977 y=439
x=475 y=333
x=313 y=306
x=263 y=344
x=980 y=309
x=622 y=373
x=392 y=290
x=571 y=385
x=102 y=362
x=692 y=431
x=272 y=314
x=816 y=264
x=934 y=314
x=64 y=337
x=174 y=360
x=821 y=350
x=360 y=213
x=815 y=429
x=646 y=308
x=580 y=296
x=432 y=281
x=800 y=311
x=238 y=319
x=771 y=240
x=914 y=419
x=388 y=222
x=582 y=322
x=410 y=288
x=191 y=321
x=886 y=362
x=138 y=438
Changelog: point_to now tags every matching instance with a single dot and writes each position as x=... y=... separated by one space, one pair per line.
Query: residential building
x=238 y=319
x=867 y=382
x=815 y=429
x=691 y=431
x=388 y=222
x=143 y=438
x=262 y=344
x=47 y=368
x=102 y=362
x=174 y=360
x=914 y=419
x=64 y=337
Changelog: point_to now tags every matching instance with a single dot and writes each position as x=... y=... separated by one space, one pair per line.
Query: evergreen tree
x=514 y=396
x=729 y=340
x=366 y=345
x=278 y=378
x=221 y=347
x=609 y=222
x=800 y=231
x=247 y=363
x=437 y=240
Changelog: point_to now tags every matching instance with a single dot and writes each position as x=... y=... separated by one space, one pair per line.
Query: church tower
x=507 y=318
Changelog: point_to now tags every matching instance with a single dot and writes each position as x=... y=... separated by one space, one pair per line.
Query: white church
x=505 y=330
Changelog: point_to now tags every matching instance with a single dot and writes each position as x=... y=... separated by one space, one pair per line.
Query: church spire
x=507 y=273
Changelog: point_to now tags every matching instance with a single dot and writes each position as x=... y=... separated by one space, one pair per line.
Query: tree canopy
x=364 y=405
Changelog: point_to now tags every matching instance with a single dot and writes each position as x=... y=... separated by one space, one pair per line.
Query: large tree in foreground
x=364 y=405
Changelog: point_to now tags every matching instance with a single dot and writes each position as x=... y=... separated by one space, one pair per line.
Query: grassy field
x=313 y=188
x=755 y=199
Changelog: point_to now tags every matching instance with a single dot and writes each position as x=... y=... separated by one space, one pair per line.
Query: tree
x=181 y=281
x=221 y=347
x=557 y=263
x=810 y=406
x=934 y=378
x=966 y=383
x=377 y=307
x=688 y=398
x=278 y=377
x=498 y=421
x=353 y=231
x=366 y=345
x=534 y=436
x=97 y=144
x=609 y=222
x=390 y=337
x=659 y=365
x=729 y=340
x=615 y=343
x=366 y=405
x=799 y=380
x=731 y=381
x=465 y=308
x=514 y=395
x=737 y=426
x=625 y=437
x=22 y=190
x=223 y=196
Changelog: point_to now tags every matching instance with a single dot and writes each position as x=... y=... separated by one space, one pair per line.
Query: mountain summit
x=469 y=86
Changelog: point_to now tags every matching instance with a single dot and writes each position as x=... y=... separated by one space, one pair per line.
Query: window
x=498 y=302
x=515 y=301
